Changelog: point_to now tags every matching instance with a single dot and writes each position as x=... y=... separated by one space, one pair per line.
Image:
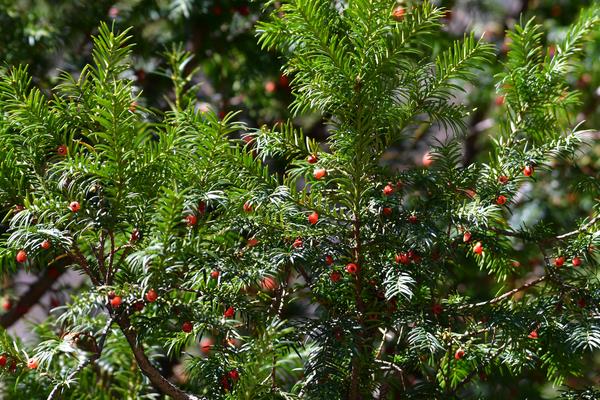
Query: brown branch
x=111 y=255
x=360 y=305
x=521 y=235
x=153 y=374
x=36 y=291
x=505 y=295
x=83 y=263
x=393 y=367
x=100 y=255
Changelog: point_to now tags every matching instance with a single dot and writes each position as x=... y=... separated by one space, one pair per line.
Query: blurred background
x=235 y=74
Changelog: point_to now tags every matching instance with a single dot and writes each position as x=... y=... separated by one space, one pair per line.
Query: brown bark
x=157 y=379
x=35 y=291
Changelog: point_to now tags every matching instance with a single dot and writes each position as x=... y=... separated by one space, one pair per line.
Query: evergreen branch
x=151 y=372
x=503 y=296
x=582 y=229
x=85 y=362
x=471 y=374
x=571 y=46
x=458 y=61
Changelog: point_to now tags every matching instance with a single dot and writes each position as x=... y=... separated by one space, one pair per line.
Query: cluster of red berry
x=32 y=363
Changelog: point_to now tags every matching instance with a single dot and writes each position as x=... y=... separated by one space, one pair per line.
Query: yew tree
x=209 y=274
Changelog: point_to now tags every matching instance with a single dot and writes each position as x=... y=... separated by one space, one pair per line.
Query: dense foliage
x=341 y=274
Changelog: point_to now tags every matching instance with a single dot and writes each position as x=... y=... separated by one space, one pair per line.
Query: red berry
x=252 y=242
x=214 y=274
x=32 y=363
x=516 y=264
x=151 y=295
x=414 y=256
x=312 y=159
x=320 y=173
x=135 y=235
x=206 y=345
x=427 y=160
x=113 y=12
x=191 y=220
x=576 y=261
x=284 y=81
x=503 y=179
x=328 y=259
x=225 y=383
x=187 y=327
x=387 y=211
x=62 y=150
x=398 y=14
x=413 y=219
x=138 y=305
x=229 y=313
x=467 y=237
x=297 y=243
x=559 y=261
x=501 y=200
x=133 y=106
x=460 y=353
x=581 y=303
x=478 y=248
x=402 y=258
x=234 y=374
x=21 y=256
x=313 y=218
x=248 y=139
x=352 y=268
x=335 y=276
x=243 y=10
x=533 y=334
x=270 y=87
x=6 y=305
x=499 y=100
x=116 y=301
x=3 y=360
x=268 y=283
x=528 y=170
x=111 y=295
x=247 y=207
x=54 y=302
x=388 y=190
x=74 y=206
x=202 y=207
x=45 y=244
x=436 y=309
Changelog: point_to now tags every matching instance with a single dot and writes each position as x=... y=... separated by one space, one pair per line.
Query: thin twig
x=83 y=263
x=394 y=367
x=111 y=261
x=505 y=295
x=582 y=229
x=85 y=362
x=100 y=255
x=522 y=235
